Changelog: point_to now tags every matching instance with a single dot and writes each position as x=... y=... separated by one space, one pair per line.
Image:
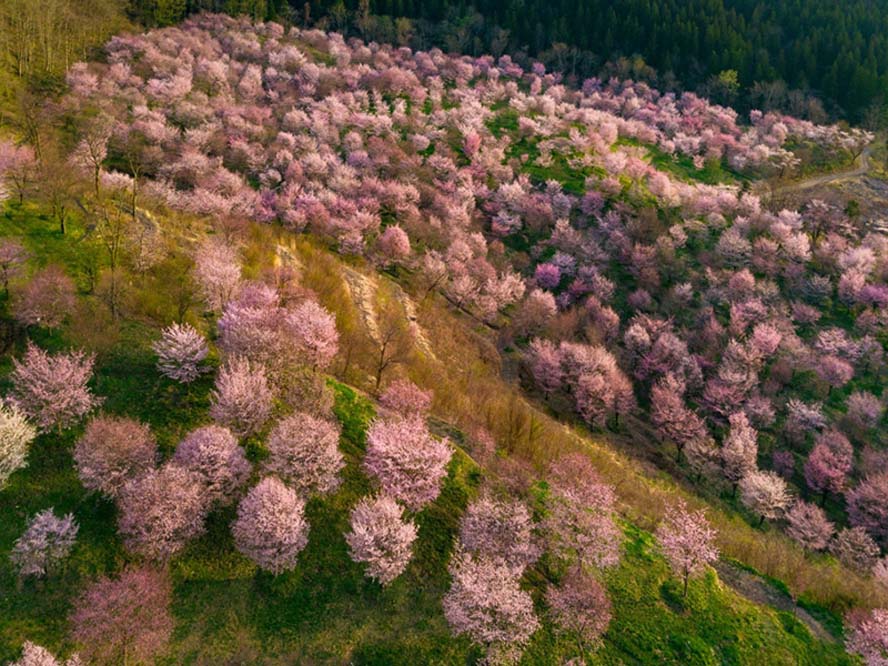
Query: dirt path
x=860 y=169
x=759 y=591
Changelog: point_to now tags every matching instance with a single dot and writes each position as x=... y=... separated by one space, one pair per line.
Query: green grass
x=326 y=611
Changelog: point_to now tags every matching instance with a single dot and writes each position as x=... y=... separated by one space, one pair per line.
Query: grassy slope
x=326 y=611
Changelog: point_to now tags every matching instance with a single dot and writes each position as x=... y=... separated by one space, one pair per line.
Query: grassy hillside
x=325 y=611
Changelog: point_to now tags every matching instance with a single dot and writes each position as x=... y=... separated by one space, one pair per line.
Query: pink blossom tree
x=580 y=526
x=112 y=451
x=808 y=524
x=303 y=450
x=270 y=528
x=486 y=603
x=125 y=619
x=312 y=330
x=829 y=463
x=35 y=655
x=213 y=454
x=16 y=435
x=18 y=168
x=740 y=449
x=381 y=538
x=404 y=398
x=394 y=245
x=242 y=398
x=181 y=352
x=46 y=300
x=406 y=460
x=765 y=494
x=864 y=410
x=579 y=606
x=671 y=416
x=52 y=390
x=161 y=511
x=868 y=637
x=854 y=548
x=46 y=542
x=868 y=506
x=217 y=272
x=503 y=529
x=13 y=257
x=836 y=372
x=544 y=359
x=688 y=542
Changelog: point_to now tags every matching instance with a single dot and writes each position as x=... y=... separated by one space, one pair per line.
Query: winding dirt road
x=860 y=169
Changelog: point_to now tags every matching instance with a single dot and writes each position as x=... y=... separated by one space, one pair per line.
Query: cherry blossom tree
x=688 y=542
x=13 y=257
x=52 y=389
x=783 y=463
x=46 y=300
x=161 y=511
x=855 y=549
x=501 y=529
x=112 y=451
x=394 y=244
x=124 y=619
x=213 y=455
x=181 y=351
x=46 y=542
x=829 y=463
x=16 y=435
x=864 y=410
x=486 y=603
x=18 y=168
x=868 y=637
x=404 y=398
x=579 y=606
x=868 y=506
x=544 y=359
x=303 y=450
x=406 y=460
x=740 y=449
x=808 y=524
x=671 y=416
x=580 y=525
x=765 y=494
x=312 y=330
x=242 y=398
x=35 y=655
x=270 y=528
x=381 y=538
x=217 y=272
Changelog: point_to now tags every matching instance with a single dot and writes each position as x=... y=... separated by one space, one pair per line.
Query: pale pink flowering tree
x=406 y=460
x=16 y=435
x=46 y=300
x=404 y=398
x=835 y=371
x=312 y=329
x=18 y=168
x=765 y=494
x=35 y=655
x=270 y=528
x=501 y=529
x=544 y=359
x=394 y=244
x=829 y=463
x=864 y=410
x=52 y=389
x=868 y=506
x=112 y=451
x=808 y=524
x=303 y=450
x=674 y=421
x=740 y=449
x=869 y=637
x=580 y=525
x=46 y=542
x=181 y=351
x=381 y=538
x=688 y=542
x=486 y=603
x=125 y=619
x=579 y=606
x=855 y=549
x=242 y=398
x=213 y=454
x=161 y=511
x=217 y=272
